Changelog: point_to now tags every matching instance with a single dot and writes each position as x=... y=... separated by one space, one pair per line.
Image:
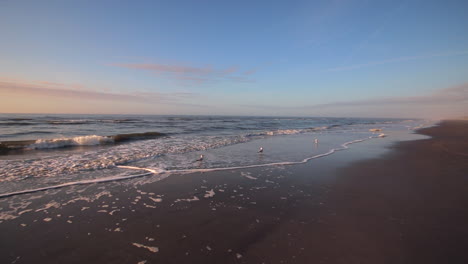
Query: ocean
x=41 y=152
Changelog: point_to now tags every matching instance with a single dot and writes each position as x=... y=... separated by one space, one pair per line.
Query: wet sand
x=407 y=205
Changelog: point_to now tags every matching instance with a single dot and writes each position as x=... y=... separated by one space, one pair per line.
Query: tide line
x=83 y=182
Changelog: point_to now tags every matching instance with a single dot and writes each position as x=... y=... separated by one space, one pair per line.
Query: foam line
x=161 y=171
x=83 y=182
x=153 y=171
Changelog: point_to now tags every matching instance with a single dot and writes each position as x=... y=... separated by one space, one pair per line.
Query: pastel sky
x=289 y=58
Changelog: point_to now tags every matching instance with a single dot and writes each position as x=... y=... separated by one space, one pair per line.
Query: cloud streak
x=395 y=60
x=43 y=88
x=194 y=75
x=452 y=95
x=455 y=97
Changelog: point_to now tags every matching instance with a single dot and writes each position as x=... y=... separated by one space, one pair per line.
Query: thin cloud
x=177 y=69
x=230 y=70
x=250 y=72
x=452 y=96
x=254 y=70
x=194 y=75
x=51 y=89
x=395 y=60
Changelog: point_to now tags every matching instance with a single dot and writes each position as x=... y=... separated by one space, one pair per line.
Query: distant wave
x=180 y=118
x=287 y=131
x=89 y=140
x=16 y=123
x=26 y=133
x=69 y=122
x=19 y=119
x=126 y=120
x=136 y=136
x=60 y=122
x=92 y=121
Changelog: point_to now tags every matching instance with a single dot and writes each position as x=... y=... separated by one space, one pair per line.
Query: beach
x=229 y=132
x=379 y=201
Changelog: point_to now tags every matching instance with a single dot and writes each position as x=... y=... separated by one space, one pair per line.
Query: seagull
x=260 y=150
x=201 y=158
x=316 y=141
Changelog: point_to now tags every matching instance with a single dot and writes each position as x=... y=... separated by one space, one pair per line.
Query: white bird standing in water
x=201 y=158
x=260 y=150
x=316 y=141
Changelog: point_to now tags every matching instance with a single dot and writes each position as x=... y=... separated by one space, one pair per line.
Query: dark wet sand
x=409 y=205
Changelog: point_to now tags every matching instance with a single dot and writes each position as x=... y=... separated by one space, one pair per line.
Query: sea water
x=40 y=152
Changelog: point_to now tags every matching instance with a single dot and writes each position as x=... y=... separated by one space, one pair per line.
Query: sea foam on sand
x=152 y=249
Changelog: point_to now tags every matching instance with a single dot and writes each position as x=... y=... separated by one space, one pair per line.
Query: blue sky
x=315 y=58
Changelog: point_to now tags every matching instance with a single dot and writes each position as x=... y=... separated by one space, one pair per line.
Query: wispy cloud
x=177 y=69
x=45 y=88
x=399 y=59
x=258 y=68
x=195 y=75
x=251 y=71
x=452 y=97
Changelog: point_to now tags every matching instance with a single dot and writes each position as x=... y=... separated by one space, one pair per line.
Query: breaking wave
x=90 y=140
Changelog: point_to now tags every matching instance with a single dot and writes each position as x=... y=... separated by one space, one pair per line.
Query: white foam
x=247 y=175
x=152 y=249
x=49 y=205
x=25 y=211
x=112 y=212
x=194 y=199
x=288 y=131
x=83 y=182
x=209 y=193
x=156 y=200
x=67 y=142
x=154 y=171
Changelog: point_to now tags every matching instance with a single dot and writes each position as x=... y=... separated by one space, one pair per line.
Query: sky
x=264 y=58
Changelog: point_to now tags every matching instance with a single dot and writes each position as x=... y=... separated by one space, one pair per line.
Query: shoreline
x=167 y=173
x=361 y=211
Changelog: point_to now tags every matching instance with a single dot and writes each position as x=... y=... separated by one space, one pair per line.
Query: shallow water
x=63 y=150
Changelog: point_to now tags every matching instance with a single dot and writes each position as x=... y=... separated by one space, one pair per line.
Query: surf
x=165 y=173
x=64 y=142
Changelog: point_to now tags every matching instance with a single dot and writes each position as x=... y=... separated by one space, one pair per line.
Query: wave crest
x=89 y=140
x=68 y=142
